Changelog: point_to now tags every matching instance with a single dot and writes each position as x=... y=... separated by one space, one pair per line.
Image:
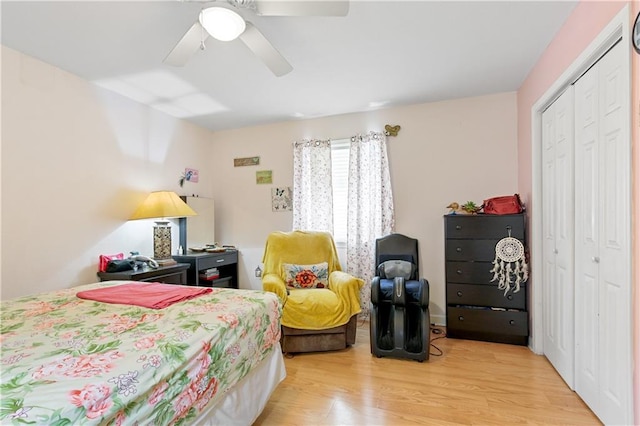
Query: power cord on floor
x=364 y=319
x=442 y=335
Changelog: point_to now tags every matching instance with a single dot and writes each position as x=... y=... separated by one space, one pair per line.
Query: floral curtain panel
x=370 y=209
x=312 y=193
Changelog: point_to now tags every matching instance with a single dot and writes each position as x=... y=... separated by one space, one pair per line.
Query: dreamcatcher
x=510 y=267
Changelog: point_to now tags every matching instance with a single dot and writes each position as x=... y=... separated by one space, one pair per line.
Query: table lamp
x=162 y=205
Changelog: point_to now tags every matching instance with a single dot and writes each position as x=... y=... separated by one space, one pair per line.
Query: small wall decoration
x=189 y=175
x=510 y=267
x=390 y=130
x=247 y=161
x=264 y=176
x=281 y=199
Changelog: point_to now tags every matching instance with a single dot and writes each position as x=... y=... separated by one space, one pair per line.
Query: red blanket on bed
x=147 y=295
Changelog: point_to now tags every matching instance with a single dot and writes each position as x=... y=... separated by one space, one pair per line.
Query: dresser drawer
x=484 y=226
x=476 y=250
x=484 y=295
x=469 y=272
x=217 y=260
x=482 y=320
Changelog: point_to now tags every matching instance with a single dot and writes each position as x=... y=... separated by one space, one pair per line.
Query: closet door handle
x=555 y=251
x=595 y=259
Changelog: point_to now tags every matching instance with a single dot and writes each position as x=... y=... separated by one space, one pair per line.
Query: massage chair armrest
x=275 y=284
x=424 y=299
x=376 y=295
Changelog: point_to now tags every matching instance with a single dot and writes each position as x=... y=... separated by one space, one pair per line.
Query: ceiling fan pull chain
x=203 y=37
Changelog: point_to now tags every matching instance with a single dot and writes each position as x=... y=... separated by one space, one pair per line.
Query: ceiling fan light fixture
x=221 y=23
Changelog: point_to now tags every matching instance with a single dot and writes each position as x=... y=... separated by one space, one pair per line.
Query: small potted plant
x=470 y=207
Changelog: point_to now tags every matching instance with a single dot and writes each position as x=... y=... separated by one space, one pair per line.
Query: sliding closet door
x=603 y=260
x=557 y=224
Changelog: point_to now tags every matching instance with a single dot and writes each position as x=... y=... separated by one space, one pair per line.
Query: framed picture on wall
x=264 y=176
x=281 y=199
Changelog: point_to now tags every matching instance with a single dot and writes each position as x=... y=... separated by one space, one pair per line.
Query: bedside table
x=173 y=274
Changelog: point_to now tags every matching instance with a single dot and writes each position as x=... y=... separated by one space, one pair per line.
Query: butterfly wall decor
x=390 y=130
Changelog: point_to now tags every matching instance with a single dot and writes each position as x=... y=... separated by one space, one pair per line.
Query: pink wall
x=583 y=25
x=635 y=134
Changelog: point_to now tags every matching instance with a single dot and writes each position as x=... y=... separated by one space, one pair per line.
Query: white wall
x=457 y=150
x=76 y=161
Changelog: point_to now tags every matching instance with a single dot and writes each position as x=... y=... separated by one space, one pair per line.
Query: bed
x=214 y=359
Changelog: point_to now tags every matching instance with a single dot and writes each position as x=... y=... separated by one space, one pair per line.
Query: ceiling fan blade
x=264 y=50
x=302 y=8
x=187 y=46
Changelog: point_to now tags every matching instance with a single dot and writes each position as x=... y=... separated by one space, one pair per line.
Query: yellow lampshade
x=162 y=204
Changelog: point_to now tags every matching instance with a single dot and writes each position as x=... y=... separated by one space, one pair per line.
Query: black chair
x=399 y=324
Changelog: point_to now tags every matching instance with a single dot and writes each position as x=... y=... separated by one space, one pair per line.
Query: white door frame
x=616 y=29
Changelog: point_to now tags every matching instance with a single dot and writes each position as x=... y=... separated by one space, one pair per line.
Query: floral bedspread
x=68 y=361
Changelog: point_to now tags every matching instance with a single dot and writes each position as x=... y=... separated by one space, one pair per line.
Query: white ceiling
x=383 y=53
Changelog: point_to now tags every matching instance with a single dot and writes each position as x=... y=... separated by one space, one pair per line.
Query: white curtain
x=370 y=211
x=312 y=193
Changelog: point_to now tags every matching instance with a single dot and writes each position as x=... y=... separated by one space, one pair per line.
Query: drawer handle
x=510 y=297
x=460 y=318
x=512 y=322
x=459 y=294
x=459 y=272
x=459 y=249
x=458 y=227
x=220 y=260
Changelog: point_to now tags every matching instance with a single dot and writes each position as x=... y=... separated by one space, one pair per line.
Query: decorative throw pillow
x=306 y=276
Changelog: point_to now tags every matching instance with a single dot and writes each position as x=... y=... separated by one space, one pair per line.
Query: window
x=340 y=187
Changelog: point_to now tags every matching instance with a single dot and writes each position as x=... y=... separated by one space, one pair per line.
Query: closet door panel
x=587 y=238
x=603 y=256
x=548 y=230
x=615 y=248
x=558 y=184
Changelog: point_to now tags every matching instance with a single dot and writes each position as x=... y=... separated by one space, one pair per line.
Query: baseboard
x=439 y=320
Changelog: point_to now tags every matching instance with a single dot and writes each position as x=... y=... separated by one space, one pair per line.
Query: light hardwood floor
x=472 y=383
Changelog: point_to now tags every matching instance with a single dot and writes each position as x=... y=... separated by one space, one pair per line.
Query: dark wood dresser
x=476 y=308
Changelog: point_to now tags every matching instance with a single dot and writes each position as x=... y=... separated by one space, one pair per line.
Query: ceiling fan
x=225 y=24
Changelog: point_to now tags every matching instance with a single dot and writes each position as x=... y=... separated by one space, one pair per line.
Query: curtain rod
x=389 y=130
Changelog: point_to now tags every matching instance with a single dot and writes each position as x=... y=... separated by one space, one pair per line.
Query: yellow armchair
x=313 y=319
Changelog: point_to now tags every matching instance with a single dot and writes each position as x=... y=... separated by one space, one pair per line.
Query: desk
x=226 y=262
x=173 y=274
